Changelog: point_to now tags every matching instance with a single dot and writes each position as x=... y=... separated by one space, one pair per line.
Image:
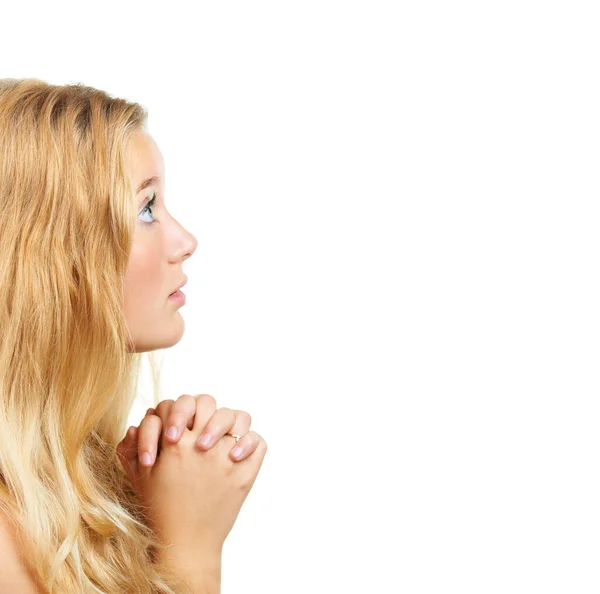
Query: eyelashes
x=149 y=206
x=151 y=202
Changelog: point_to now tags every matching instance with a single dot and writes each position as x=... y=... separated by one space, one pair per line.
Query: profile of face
x=160 y=245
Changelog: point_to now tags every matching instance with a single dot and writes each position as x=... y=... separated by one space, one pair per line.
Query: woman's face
x=160 y=246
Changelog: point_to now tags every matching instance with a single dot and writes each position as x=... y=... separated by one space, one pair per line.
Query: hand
x=192 y=494
x=145 y=439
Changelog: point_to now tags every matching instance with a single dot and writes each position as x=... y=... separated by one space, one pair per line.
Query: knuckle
x=228 y=413
x=149 y=424
x=164 y=406
x=242 y=414
x=186 y=400
x=181 y=409
x=206 y=400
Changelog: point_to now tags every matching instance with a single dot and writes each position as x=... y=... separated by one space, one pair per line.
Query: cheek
x=143 y=278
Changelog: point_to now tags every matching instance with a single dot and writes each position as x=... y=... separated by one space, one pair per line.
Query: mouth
x=177 y=290
x=178 y=297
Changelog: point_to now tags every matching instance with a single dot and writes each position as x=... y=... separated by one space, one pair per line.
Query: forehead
x=144 y=158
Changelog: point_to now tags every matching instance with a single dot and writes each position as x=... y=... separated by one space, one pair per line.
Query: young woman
x=90 y=267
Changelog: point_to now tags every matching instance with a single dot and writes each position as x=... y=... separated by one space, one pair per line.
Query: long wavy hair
x=68 y=372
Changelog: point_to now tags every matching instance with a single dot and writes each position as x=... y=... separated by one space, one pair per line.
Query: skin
x=160 y=246
x=154 y=271
x=181 y=414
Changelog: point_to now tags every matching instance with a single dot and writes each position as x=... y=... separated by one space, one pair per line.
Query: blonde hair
x=68 y=376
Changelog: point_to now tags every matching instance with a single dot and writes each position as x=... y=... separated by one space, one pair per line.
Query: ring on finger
x=238 y=450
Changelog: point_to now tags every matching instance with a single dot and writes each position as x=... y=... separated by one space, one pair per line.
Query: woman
x=90 y=258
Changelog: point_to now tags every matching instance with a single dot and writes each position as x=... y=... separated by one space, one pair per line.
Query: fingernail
x=204 y=440
x=236 y=452
x=172 y=433
x=146 y=459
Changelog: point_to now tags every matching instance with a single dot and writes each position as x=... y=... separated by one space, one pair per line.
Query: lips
x=181 y=285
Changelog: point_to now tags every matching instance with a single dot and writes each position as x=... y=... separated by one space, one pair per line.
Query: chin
x=162 y=341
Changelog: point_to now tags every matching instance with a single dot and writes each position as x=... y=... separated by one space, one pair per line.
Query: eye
x=148 y=208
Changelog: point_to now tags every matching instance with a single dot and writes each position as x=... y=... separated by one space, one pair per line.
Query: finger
x=180 y=416
x=130 y=435
x=253 y=462
x=162 y=411
x=126 y=446
x=127 y=452
x=163 y=408
x=241 y=427
x=245 y=446
x=150 y=411
x=243 y=420
x=218 y=425
x=148 y=440
x=206 y=405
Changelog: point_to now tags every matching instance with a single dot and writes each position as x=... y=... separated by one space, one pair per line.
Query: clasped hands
x=141 y=445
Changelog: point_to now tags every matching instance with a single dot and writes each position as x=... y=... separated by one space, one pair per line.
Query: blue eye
x=148 y=208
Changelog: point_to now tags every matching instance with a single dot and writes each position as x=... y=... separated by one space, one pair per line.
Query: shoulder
x=14 y=574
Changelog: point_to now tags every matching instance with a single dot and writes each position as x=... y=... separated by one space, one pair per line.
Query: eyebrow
x=146 y=183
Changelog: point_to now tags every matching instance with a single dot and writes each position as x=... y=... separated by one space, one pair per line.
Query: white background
x=396 y=207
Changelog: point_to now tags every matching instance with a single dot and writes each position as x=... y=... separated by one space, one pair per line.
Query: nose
x=186 y=245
